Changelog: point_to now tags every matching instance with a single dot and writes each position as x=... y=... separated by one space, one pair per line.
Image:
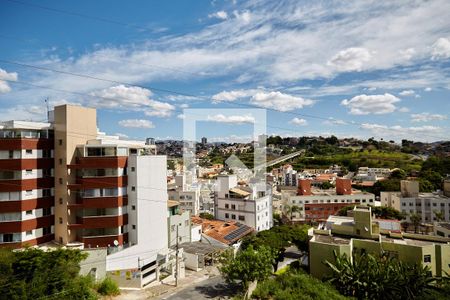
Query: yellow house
x=361 y=233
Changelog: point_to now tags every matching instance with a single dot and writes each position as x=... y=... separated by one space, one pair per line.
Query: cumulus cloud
x=121 y=135
x=233 y=119
x=428 y=89
x=299 y=122
x=219 y=15
x=232 y=95
x=350 y=59
x=371 y=104
x=279 y=101
x=397 y=131
x=4 y=86
x=136 y=123
x=440 y=49
x=427 y=117
x=403 y=109
x=132 y=98
x=407 y=93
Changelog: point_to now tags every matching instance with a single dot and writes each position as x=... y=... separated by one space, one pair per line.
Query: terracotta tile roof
x=172 y=203
x=227 y=232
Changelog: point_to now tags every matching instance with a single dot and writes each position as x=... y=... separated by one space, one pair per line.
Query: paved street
x=212 y=288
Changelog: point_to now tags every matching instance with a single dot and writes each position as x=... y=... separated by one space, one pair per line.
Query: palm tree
x=415 y=220
x=439 y=215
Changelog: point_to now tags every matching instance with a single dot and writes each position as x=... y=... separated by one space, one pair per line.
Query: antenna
x=48 y=109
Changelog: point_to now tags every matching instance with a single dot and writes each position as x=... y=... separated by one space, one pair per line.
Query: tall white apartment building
x=250 y=205
x=289 y=176
x=187 y=193
x=410 y=201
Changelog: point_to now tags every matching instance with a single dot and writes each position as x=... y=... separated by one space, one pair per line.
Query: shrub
x=108 y=287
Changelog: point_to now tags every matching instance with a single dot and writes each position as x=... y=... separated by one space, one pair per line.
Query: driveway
x=212 y=288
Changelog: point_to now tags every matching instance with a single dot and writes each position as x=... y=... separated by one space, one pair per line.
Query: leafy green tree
x=425 y=186
x=205 y=215
x=388 y=185
x=440 y=215
x=398 y=174
x=433 y=177
x=248 y=265
x=326 y=185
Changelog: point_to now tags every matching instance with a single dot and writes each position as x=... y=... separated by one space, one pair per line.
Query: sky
x=348 y=68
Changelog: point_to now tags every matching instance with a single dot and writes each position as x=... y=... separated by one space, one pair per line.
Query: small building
x=362 y=234
x=178 y=224
x=442 y=229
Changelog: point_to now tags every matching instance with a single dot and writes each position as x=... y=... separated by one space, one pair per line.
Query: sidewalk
x=161 y=290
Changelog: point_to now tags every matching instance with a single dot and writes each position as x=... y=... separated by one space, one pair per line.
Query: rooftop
x=445 y=225
x=226 y=232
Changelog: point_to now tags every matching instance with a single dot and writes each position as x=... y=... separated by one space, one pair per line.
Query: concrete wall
x=95 y=263
x=321 y=252
x=183 y=222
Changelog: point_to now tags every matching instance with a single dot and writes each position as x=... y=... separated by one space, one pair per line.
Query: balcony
x=26 y=164
x=25 y=225
x=104 y=240
x=103 y=162
x=100 y=221
x=99 y=202
x=19 y=143
x=23 y=205
x=26 y=184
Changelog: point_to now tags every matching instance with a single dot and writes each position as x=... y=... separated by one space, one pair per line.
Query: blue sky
x=349 y=68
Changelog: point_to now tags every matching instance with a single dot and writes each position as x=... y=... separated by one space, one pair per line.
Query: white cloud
x=428 y=89
x=121 y=135
x=184 y=105
x=440 y=49
x=407 y=54
x=427 y=117
x=234 y=119
x=279 y=101
x=333 y=121
x=403 y=109
x=232 y=95
x=4 y=86
x=299 y=122
x=219 y=15
x=371 y=104
x=397 y=132
x=132 y=98
x=350 y=59
x=136 y=123
x=407 y=93
x=24 y=113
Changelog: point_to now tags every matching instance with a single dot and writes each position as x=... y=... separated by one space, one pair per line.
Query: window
x=60 y=220
x=241 y=218
x=29 y=232
x=60 y=142
x=227 y=205
x=133 y=226
x=29 y=151
x=7 y=237
x=11 y=154
x=46 y=192
x=133 y=169
x=60 y=161
x=46 y=211
x=60 y=181
x=60 y=201
x=29 y=212
x=233 y=217
x=233 y=206
x=46 y=230
x=434 y=204
x=227 y=215
x=186 y=223
x=133 y=188
x=29 y=172
x=427 y=258
x=133 y=207
x=29 y=192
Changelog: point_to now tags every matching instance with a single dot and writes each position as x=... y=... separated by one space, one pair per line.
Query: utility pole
x=176 y=261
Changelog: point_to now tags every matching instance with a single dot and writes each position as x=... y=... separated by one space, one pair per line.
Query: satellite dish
x=116 y=243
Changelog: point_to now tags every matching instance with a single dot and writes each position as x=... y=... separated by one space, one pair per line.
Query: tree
x=367 y=276
x=294 y=209
x=205 y=215
x=415 y=220
x=326 y=185
x=440 y=215
x=425 y=186
x=248 y=265
x=433 y=177
x=398 y=174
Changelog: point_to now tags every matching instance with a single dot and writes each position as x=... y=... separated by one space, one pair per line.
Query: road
x=280 y=159
x=212 y=288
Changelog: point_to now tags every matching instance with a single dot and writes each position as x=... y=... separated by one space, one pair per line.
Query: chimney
x=304 y=187
x=343 y=186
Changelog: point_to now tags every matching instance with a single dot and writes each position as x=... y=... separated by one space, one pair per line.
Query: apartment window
x=233 y=217
x=29 y=212
x=434 y=204
x=133 y=226
x=133 y=207
x=60 y=181
x=29 y=232
x=442 y=204
x=227 y=215
x=7 y=237
x=227 y=205
x=241 y=218
x=427 y=258
x=46 y=153
x=46 y=230
x=60 y=201
x=46 y=211
x=11 y=154
x=60 y=220
x=410 y=204
x=29 y=151
x=60 y=142
x=46 y=192
x=233 y=206
x=133 y=169
x=60 y=161
x=28 y=192
x=403 y=204
x=29 y=172
x=133 y=188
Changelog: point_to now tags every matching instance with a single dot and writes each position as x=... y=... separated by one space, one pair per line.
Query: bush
x=108 y=287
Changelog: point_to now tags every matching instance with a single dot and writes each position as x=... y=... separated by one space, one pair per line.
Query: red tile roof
x=218 y=230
